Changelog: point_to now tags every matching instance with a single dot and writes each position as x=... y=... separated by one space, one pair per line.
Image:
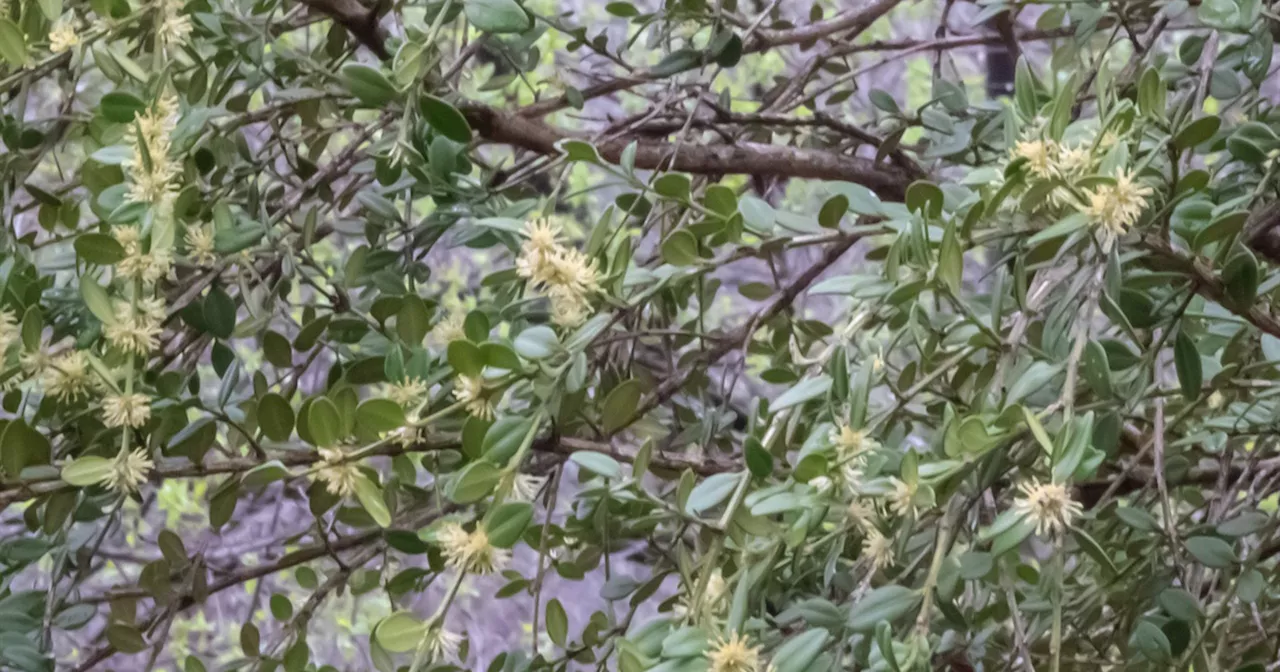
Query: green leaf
x=1186 y=359
x=886 y=603
x=413 y=320
x=507 y=523
x=263 y=475
x=13 y=46
x=674 y=186
x=710 y=492
x=537 y=342
x=1243 y=525
x=619 y=406
x=557 y=622
x=125 y=638
x=803 y=391
x=1179 y=604
x=52 y=9
x=680 y=248
x=281 y=607
x=757 y=215
x=1249 y=585
x=474 y=482
x=1211 y=552
x=370 y=497
x=97 y=300
x=121 y=107
x=324 y=423
x=275 y=417
x=445 y=118
x=924 y=198
x=1196 y=132
x=759 y=460
x=496 y=16
x=798 y=653
x=379 y=415
x=400 y=632
x=951 y=260
x=1151 y=641
x=1063 y=227
x=504 y=438
x=369 y=86
x=23 y=446
x=220 y=313
x=579 y=150
x=598 y=463
x=86 y=471
x=465 y=358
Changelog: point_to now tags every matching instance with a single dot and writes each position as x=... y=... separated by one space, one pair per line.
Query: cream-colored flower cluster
x=1115 y=208
x=149 y=267
x=471 y=551
x=734 y=654
x=130 y=470
x=475 y=396
x=152 y=171
x=62 y=36
x=338 y=473
x=172 y=27
x=1048 y=505
x=566 y=275
x=1111 y=208
x=713 y=603
x=200 y=245
x=137 y=328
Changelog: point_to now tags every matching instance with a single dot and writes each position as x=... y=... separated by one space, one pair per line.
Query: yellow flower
x=878 y=549
x=1048 y=505
x=567 y=275
x=339 y=475
x=34 y=362
x=171 y=26
x=150 y=168
x=129 y=471
x=733 y=655
x=1073 y=161
x=573 y=271
x=451 y=328
x=126 y=410
x=470 y=552
x=1114 y=208
x=851 y=443
x=568 y=309
x=1040 y=156
x=713 y=599
x=67 y=376
x=470 y=391
x=900 y=501
x=409 y=391
x=62 y=37
x=543 y=236
x=200 y=245
x=134 y=332
x=860 y=514
x=8 y=330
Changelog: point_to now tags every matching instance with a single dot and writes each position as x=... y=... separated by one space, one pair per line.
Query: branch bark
x=889 y=182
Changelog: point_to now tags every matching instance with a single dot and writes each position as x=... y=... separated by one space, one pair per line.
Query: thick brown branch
x=890 y=182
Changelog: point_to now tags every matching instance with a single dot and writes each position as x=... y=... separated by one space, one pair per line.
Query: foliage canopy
x=869 y=375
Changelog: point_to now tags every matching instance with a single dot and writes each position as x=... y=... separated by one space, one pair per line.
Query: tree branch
x=890 y=182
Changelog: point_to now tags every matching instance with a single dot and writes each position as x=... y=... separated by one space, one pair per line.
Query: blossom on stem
x=1048 y=505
